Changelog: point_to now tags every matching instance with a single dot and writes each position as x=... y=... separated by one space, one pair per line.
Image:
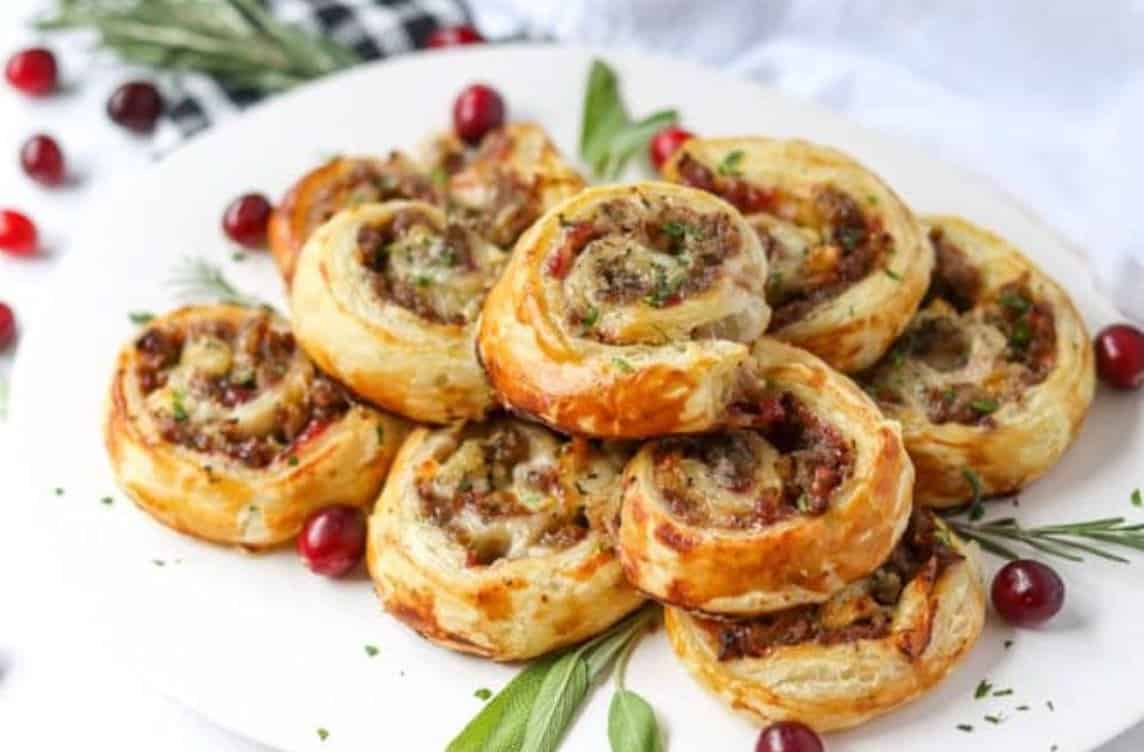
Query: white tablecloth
x=1046 y=98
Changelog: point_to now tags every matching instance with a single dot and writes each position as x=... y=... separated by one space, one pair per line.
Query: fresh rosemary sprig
x=197 y=280
x=236 y=41
x=1066 y=540
x=534 y=710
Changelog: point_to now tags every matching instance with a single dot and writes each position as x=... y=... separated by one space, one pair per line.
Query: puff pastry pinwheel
x=808 y=493
x=488 y=538
x=848 y=262
x=507 y=182
x=875 y=645
x=220 y=427
x=993 y=377
x=625 y=312
x=386 y=298
x=342 y=182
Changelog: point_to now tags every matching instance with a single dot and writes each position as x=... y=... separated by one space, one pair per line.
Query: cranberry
x=17 y=233
x=7 y=325
x=136 y=106
x=246 y=218
x=32 y=71
x=332 y=540
x=477 y=110
x=454 y=36
x=42 y=160
x=1027 y=593
x=1120 y=356
x=665 y=143
x=788 y=736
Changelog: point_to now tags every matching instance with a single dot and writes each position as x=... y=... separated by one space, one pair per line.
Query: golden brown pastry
x=339 y=183
x=506 y=183
x=994 y=375
x=848 y=263
x=488 y=539
x=626 y=312
x=220 y=427
x=385 y=298
x=875 y=645
x=497 y=189
x=809 y=492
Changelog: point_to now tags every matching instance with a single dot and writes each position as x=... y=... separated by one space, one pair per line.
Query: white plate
x=263 y=647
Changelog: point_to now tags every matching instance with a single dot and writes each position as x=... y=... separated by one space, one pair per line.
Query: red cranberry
x=42 y=160
x=1120 y=356
x=454 y=36
x=332 y=540
x=17 y=233
x=665 y=143
x=246 y=218
x=7 y=326
x=136 y=106
x=788 y=736
x=477 y=110
x=32 y=71
x=1027 y=593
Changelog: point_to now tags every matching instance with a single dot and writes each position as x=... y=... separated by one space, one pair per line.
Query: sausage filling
x=369 y=181
x=219 y=388
x=640 y=251
x=503 y=492
x=441 y=275
x=790 y=461
x=817 y=247
x=862 y=611
x=969 y=351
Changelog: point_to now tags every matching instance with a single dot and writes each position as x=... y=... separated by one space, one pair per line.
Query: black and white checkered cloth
x=372 y=28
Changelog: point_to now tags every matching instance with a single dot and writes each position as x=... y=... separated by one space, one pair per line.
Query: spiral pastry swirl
x=220 y=427
x=875 y=645
x=807 y=493
x=386 y=298
x=848 y=262
x=993 y=377
x=626 y=312
x=489 y=538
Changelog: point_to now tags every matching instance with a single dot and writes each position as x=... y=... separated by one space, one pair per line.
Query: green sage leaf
x=631 y=724
x=556 y=702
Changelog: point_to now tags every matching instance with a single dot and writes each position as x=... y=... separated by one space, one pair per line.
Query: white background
x=1046 y=98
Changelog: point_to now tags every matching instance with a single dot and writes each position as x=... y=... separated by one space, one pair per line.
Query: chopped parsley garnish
x=591 y=317
x=1003 y=693
x=984 y=406
x=965 y=727
x=483 y=694
x=623 y=365
x=159 y=562
x=1008 y=644
x=1021 y=335
x=371 y=650
x=897 y=357
x=424 y=280
x=178 y=410
x=675 y=230
x=1022 y=708
x=871 y=199
x=439 y=176
x=380 y=434
x=803 y=503
x=292 y=461
x=665 y=288
x=1012 y=300
x=238 y=256
x=58 y=491
x=323 y=734
x=532 y=499
x=107 y=501
x=729 y=165
x=893 y=274
x=995 y=719
x=1137 y=500
x=141 y=317
x=982 y=690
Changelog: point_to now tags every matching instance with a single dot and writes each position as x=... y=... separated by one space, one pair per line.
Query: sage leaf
x=556 y=702
x=608 y=136
x=499 y=727
x=631 y=724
